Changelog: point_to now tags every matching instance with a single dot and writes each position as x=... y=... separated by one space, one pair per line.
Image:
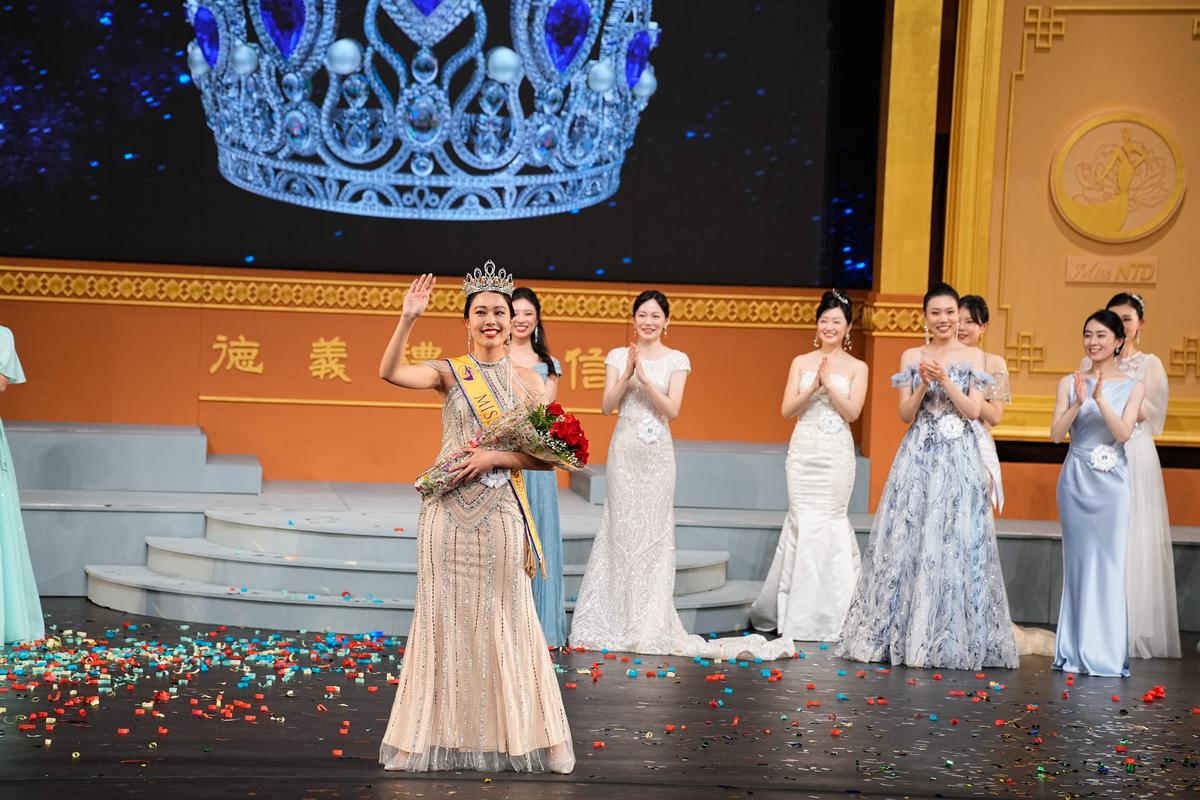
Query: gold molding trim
x=55 y=284
x=1028 y=418
x=1026 y=355
x=888 y=319
x=1044 y=30
x=311 y=401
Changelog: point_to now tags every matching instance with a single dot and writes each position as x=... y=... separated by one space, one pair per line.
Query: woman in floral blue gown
x=931 y=593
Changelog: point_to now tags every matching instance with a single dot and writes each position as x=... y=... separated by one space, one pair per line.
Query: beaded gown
x=1093 y=507
x=542 y=487
x=931 y=592
x=626 y=602
x=477 y=690
x=20 y=606
x=816 y=565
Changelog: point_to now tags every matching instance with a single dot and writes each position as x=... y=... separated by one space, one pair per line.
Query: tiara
x=841 y=298
x=1141 y=303
x=424 y=109
x=488 y=279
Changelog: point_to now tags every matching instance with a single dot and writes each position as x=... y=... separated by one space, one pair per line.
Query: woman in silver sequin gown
x=931 y=592
x=627 y=602
x=477 y=689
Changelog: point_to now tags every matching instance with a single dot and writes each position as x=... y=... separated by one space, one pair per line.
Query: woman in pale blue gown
x=931 y=593
x=1099 y=409
x=20 y=607
x=529 y=349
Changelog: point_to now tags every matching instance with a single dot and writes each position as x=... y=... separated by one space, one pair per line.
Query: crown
x=421 y=122
x=489 y=279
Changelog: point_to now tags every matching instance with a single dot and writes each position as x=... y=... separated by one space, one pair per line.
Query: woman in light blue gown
x=1099 y=409
x=931 y=593
x=529 y=349
x=20 y=607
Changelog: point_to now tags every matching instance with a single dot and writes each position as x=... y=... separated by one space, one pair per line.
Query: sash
x=487 y=410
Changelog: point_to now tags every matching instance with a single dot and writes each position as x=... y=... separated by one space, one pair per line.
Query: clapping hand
x=1080 y=389
x=932 y=372
x=823 y=372
x=416 y=299
x=1096 y=393
x=631 y=363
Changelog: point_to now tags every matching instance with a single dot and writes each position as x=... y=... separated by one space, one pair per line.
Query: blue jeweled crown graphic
x=420 y=121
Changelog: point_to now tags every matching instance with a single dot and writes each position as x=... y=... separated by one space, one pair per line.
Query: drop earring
x=846 y=342
x=1138 y=338
x=816 y=340
x=926 y=333
x=470 y=343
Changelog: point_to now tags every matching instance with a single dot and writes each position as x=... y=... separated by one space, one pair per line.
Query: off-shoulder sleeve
x=681 y=362
x=909 y=377
x=10 y=365
x=617 y=357
x=1000 y=390
x=982 y=380
x=1154 y=406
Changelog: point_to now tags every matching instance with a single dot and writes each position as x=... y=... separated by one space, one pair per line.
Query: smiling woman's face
x=488 y=319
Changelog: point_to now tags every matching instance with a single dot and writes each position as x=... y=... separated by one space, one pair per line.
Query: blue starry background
x=754 y=163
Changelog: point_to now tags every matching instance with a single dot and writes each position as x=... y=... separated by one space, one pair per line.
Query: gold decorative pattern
x=1185 y=359
x=310 y=401
x=884 y=319
x=97 y=285
x=1044 y=29
x=1025 y=355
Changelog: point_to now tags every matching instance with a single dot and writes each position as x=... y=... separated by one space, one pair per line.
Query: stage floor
x=898 y=733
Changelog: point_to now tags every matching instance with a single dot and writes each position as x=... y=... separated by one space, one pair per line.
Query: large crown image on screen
x=415 y=109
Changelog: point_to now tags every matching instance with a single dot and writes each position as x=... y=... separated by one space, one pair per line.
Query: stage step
x=726 y=475
x=139 y=590
x=141 y=458
x=205 y=561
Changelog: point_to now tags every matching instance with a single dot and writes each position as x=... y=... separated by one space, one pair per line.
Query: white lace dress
x=627 y=602
x=816 y=565
x=1149 y=563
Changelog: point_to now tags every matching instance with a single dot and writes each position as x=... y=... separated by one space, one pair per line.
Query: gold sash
x=487 y=410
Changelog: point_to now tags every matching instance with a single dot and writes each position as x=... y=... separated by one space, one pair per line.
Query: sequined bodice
x=820 y=414
x=458 y=421
x=936 y=402
x=636 y=406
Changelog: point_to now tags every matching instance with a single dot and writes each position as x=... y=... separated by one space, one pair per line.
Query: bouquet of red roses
x=545 y=432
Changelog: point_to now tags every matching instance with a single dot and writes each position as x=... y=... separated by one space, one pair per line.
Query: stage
x=820 y=726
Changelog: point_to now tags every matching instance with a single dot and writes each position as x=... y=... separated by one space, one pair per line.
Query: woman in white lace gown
x=816 y=564
x=627 y=600
x=1153 y=617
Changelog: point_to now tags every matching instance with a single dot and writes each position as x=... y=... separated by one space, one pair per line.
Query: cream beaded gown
x=627 y=600
x=477 y=690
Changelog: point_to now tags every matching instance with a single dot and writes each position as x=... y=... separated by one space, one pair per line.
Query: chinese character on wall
x=239 y=354
x=327 y=360
x=586 y=368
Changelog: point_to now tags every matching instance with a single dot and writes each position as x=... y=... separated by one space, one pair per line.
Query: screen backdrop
x=754 y=163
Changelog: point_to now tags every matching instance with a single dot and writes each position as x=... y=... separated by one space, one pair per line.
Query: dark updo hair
x=1111 y=321
x=939 y=289
x=538 y=340
x=656 y=296
x=976 y=308
x=471 y=299
x=835 y=299
x=1127 y=299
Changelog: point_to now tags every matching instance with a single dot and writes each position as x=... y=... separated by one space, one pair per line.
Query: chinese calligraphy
x=587 y=368
x=327 y=359
x=239 y=354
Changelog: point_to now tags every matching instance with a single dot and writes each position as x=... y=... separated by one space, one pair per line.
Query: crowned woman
x=477 y=690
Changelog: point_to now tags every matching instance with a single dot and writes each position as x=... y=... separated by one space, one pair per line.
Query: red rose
x=554 y=410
